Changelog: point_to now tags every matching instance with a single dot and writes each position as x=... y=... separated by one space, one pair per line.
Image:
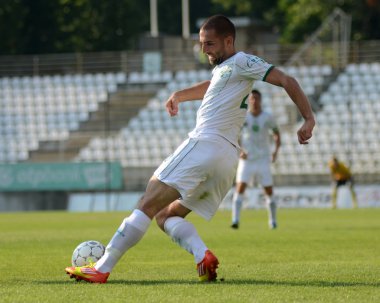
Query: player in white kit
x=256 y=157
x=200 y=172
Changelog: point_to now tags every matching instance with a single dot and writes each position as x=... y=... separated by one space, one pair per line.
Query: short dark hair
x=221 y=24
x=255 y=91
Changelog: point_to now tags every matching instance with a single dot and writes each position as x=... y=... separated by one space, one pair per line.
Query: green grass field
x=314 y=256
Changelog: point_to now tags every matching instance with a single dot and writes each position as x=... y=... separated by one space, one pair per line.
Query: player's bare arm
x=243 y=155
x=195 y=92
x=299 y=98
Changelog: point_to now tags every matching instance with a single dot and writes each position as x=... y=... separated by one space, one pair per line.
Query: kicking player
x=256 y=157
x=198 y=175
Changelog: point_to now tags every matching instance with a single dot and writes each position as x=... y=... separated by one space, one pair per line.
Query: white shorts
x=202 y=170
x=259 y=169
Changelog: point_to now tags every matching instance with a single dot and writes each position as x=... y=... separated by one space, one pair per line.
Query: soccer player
x=341 y=174
x=256 y=157
x=198 y=175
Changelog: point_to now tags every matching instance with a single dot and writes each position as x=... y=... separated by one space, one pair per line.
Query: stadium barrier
x=287 y=197
x=173 y=59
x=60 y=176
x=309 y=197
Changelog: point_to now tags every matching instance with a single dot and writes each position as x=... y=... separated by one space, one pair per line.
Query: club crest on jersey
x=255 y=128
x=225 y=71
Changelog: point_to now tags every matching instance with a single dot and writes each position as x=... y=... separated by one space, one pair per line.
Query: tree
x=51 y=26
x=297 y=19
x=86 y=25
x=17 y=27
x=302 y=17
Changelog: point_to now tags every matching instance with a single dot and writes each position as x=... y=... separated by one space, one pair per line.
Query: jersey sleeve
x=253 y=67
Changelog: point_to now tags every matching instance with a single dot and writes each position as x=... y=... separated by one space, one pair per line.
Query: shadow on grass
x=228 y=282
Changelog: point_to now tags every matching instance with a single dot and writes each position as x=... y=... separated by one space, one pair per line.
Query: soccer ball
x=87 y=252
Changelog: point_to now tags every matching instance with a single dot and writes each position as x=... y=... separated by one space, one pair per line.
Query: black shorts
x=344 y=182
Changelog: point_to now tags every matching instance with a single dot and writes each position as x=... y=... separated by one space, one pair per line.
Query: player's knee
x=146 y=206
x=268 y=191
x=161 y=217
x=240 y=187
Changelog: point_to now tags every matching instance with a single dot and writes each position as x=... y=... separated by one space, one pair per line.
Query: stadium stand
x=152 y=135
x=47 y=108
x=350 y=114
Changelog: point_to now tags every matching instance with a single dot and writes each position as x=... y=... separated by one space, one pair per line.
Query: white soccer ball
x=87 y=252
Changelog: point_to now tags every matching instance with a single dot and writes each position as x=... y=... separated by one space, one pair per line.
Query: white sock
x=185 y=235
x=271 y=206
x=128 y=234
x=237 y=203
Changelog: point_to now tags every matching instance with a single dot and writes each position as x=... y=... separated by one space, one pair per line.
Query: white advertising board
x=309 y=196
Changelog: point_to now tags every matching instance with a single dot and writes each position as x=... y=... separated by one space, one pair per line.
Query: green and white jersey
x=255 y=135
x=224 y=106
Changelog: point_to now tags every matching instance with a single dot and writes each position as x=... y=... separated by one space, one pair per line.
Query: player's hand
x=172 y=105
x=274 y=157
x=305 y=131
x=243 y=155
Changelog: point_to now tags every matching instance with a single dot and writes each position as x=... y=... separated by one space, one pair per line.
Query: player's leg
x=157 y=196
x=204 y=180
x=265 y=175
x=271 y=207
x=353 y=194
x=237 y=203
x=172 y=221
x=242 y=178
x=334 y=195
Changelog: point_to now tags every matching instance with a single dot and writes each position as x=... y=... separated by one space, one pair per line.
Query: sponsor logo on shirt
x=251 y=60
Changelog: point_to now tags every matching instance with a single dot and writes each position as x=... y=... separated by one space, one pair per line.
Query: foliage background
x=57 y=26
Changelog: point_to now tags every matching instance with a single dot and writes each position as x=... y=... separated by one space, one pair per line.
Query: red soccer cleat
x=207 y=267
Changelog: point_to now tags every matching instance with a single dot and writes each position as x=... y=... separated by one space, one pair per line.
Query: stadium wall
x=310 y=197
x=33 y=201
x=287 y=197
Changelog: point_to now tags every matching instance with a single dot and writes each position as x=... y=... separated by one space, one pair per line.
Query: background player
x=341 y=174
x=256 y=157
x=198 y=175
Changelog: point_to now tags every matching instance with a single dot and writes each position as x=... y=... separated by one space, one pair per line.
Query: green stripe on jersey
x=268 y=71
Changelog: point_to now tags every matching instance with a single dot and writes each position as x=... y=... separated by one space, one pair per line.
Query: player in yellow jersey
x=341 y=174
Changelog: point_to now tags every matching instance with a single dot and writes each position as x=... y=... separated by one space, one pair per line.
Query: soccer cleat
x=207 y=267
x=273 y=225
x=235 y=225
x=87 y=273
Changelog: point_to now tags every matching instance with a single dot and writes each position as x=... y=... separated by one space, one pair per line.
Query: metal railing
x=182 y=59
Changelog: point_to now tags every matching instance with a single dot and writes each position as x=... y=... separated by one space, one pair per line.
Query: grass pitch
x=314 y=256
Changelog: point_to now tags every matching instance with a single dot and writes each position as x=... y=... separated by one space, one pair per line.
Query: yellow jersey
x=340 y=172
